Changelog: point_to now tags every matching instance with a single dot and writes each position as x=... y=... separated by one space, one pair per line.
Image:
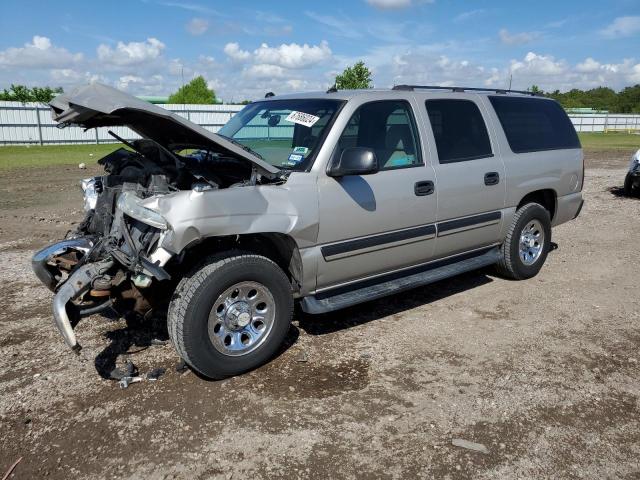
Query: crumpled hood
x=98 y=105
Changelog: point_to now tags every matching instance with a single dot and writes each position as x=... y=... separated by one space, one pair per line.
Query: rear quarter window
x=534 y=124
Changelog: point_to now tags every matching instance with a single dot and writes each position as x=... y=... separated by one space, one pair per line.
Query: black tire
x=194 y=297
x=510 y=264
x=629 y=189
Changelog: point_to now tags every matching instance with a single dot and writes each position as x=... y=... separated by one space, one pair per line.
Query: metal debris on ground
x=478 y=447
x=11 y=468
x=126 y=381
x=155 y=374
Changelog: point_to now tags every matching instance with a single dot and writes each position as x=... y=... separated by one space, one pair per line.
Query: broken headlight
x=90 y=190
x=635 y=162
x=131 y=204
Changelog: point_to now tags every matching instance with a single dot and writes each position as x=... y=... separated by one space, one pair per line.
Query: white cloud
x=40 y=53
x=588 y=66
x=234 y=52
x=516 y=38
x=622 y=27
x=197 y=26
x=293 y=55
x=537 y=65
x=126 y=80
x=264 y=71
x=132 y=53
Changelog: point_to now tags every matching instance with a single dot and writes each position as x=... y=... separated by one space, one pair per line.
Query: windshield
x=285 y=133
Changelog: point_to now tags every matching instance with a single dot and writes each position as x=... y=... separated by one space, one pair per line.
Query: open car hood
x=98 y=105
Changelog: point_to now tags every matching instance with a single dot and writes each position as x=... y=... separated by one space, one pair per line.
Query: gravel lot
x=544 y=373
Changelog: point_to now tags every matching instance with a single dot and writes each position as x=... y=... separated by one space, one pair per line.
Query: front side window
x=459 y=130
x=388 y=128
x=534 y=124
x=285 y=133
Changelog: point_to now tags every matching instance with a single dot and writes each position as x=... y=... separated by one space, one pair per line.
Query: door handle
x=423 y=188
x=491 y=178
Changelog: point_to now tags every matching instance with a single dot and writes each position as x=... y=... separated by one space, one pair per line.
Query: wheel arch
x=546 y=197
x=278 y=247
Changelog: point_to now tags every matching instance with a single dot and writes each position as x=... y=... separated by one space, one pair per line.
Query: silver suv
x=326 y=199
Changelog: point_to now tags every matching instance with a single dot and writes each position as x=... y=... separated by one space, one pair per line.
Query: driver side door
x=372 y=224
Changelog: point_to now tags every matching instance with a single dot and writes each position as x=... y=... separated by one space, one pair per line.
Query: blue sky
x=245 y=48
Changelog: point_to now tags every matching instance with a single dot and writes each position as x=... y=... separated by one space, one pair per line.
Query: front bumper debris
x=42 y=260
x=77 y=284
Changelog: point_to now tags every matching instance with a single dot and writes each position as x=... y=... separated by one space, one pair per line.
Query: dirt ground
x=544 y=373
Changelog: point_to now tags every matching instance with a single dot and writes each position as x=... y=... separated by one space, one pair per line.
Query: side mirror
x=355 y=161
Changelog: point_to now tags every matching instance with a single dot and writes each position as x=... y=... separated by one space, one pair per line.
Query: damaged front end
x=112 y=256
x=115 y=255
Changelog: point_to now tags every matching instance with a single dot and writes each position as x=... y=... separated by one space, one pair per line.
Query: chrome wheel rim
x=531 y=242
x=241 y=318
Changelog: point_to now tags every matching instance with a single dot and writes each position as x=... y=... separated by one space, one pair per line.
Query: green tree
x=357 y=76
x=535 y=89
x=196 y=91
x=22 y=93
x=628 y=100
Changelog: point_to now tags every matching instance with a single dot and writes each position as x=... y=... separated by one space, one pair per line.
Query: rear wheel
x=525 y=248
x=231 y=314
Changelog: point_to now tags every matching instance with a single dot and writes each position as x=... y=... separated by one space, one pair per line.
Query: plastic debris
x=477 y=447
x=155 y=374
x=126 y=381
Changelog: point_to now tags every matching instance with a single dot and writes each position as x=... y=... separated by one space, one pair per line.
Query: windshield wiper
x=242 y=146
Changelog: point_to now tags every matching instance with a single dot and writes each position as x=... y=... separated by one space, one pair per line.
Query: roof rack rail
x=463 y=89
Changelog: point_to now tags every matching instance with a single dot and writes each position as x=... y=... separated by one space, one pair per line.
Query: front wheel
x=525 y=248
x=629 y=189
x=230 y=315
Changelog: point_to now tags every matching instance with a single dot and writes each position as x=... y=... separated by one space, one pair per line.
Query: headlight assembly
x=131 y=205
x=635 y=161
x=88 y=186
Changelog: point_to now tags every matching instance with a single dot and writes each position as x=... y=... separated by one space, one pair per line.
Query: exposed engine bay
x=112 y=258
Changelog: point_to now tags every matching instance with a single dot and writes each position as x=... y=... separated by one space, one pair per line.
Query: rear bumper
x=569 y=207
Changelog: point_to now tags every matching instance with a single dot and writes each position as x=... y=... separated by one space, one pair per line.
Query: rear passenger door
x=469 y=175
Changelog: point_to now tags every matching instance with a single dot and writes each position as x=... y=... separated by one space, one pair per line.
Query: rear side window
x=534 y=124
x=459 y=130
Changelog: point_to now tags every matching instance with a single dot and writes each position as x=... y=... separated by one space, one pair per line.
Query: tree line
x=197 y=91
x=626 y=100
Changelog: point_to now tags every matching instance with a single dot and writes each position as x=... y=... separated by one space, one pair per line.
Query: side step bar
x=342 y=297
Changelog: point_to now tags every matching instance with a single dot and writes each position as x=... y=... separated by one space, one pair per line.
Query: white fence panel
x=31 y=123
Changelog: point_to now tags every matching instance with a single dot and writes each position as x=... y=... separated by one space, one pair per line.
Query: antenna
x=184 y=105
x=510 y=80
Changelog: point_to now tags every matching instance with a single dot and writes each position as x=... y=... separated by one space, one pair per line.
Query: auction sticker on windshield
x=302 y=118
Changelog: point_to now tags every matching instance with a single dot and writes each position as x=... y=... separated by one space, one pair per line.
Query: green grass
x=609 y=141
x=44 y=156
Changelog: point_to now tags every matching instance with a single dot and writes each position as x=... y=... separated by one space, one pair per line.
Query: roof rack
x=462 y=89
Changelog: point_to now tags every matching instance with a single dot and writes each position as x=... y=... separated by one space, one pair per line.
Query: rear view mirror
x=355 y=161
x=273 y=120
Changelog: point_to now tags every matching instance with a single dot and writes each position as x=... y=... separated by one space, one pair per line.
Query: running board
x=342 y=297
